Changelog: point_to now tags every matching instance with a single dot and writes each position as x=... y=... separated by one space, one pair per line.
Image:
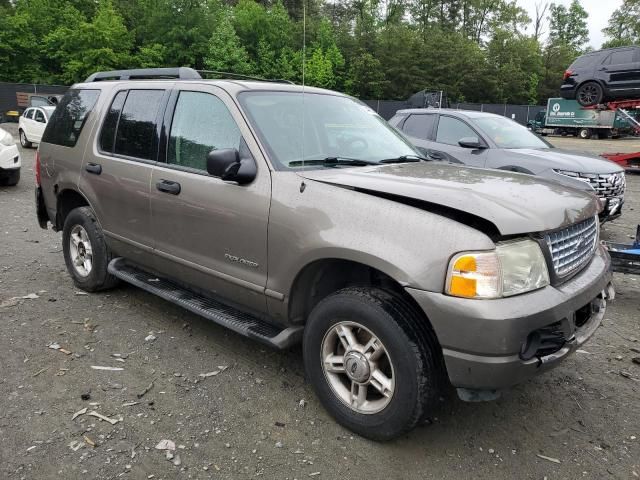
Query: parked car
x=289 y=214
x=485 y=140
x=32 y=124
x=9 y=159
x=604 y=75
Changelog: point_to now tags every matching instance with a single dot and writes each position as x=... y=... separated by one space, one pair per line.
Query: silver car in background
x=485 y=140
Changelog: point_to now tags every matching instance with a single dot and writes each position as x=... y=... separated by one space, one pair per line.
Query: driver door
x=209 y=233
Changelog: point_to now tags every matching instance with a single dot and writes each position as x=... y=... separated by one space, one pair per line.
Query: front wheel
x=585 y=133
x=373 y=361
x=85 y=252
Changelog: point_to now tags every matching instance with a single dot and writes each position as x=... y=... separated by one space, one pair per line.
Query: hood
x=514 y=203
x=558 y=159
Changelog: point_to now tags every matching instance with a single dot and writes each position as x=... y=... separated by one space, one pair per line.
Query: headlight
x=6 y=138
x=515 y=266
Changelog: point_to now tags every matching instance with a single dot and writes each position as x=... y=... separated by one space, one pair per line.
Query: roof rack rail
x=182 y=73
x=246 y=77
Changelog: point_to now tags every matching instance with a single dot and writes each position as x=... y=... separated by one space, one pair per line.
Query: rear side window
x=69 y=117
x=620 y=56
x=585 y=61
x=201 y=123
x=39 y=116
x=451 y=130
x=137 y=125
x=419 y=126
x=108 y=133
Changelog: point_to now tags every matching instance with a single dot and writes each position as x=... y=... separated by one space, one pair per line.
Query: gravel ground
x=578 y=421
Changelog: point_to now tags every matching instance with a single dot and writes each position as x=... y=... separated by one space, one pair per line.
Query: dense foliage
x=476 y=50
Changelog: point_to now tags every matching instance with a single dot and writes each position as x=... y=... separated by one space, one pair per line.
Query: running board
x=240 y=322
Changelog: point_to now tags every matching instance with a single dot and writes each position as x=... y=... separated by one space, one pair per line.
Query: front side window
x=451 y=130
x=506 y=133
x=296 y=128
x=69 y=117
x=28 y=114
x=201 y=123
x=137 y=125
x=419 y=126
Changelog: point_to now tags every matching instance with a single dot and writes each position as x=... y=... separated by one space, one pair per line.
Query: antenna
x=304 y=61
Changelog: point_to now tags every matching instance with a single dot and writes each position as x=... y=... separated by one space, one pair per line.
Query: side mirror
x=227 y=165
x=470 y=142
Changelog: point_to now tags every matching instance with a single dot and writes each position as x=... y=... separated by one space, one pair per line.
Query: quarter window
x=419 y=126
x=201 y=123
x=450 y=130
x=137 y=125
x=69 y=117
x=108 y=133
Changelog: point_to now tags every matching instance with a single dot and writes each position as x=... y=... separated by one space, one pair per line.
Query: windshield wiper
x=332 y=161
x=405 y=159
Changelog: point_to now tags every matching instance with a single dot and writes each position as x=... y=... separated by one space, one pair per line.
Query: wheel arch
x=322 y=277
x=67 y=200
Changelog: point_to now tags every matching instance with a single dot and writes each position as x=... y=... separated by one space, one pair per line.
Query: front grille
x=572 y=248
x=606 y=185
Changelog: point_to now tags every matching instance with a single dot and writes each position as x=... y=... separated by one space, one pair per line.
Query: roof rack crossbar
x=182 y=73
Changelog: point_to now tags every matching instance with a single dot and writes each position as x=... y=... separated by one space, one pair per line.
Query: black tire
x=98 y=278
x=585 y=133
x=412 y=349
x=11 y=179
x=589 y=94
x=23 y=140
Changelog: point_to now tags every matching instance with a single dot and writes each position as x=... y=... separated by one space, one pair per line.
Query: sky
x=599 y=12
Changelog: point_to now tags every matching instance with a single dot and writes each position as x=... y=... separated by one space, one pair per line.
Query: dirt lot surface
x=581 y=420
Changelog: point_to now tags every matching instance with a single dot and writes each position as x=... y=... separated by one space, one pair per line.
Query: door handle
x=94 y=168
x=167 y=186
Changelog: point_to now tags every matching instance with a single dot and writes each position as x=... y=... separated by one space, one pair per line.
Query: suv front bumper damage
x=494 y=344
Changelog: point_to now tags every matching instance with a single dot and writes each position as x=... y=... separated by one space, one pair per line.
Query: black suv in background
x=604 y=75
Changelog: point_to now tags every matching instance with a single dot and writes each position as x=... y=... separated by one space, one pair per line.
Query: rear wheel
x=85 y=252
x=373 y=361
x=23 y=140
x=589 y=93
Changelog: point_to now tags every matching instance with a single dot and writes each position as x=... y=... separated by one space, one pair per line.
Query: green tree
x=226 y=53
x=365 y=78
x=81 y=47
x=513 y=58
x=624 y=25
x=568 y=26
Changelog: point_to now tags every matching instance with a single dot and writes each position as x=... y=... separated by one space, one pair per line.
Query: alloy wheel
x=80 y=251
x=358 y=367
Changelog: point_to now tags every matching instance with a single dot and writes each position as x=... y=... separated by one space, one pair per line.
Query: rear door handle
x=94 y=168
x=167 y=186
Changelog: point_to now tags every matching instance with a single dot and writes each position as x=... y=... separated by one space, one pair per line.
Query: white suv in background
x=32 y=123
x=9 y=159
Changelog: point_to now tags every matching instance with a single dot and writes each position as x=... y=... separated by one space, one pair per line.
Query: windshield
x=333 y=127
x=506 y=133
